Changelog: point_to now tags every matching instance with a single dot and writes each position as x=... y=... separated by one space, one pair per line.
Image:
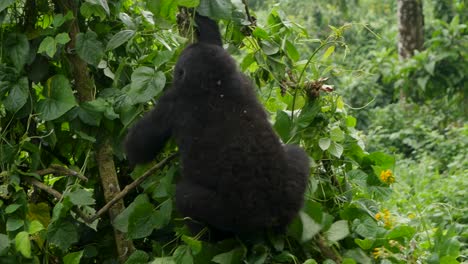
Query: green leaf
x=328 y=52
x=234 y=256
x=34 y=227
x=336 y=149
x=309 y=227
x=269 y=48
x=336 y=134
x=260 y=33
x=5 y=3
x=401 y=232
x=40 y=212
x=138 y=257
x=101 y=3
x=430 y=67
x=62 y=234
x=121 y=222
x=283 y=125
x=165 y=8
x=59 y=19
x=120 y=38
x=162 y=57
x=215 y=8
x=14 y=223
x=163 y=260
x=292 y=52
x=23 y=244
x=49 y=46
x=188 y=3
x=17 y=48
x=89 y=48
x=18 y=95
x=4 y=244
x=81 y=197
x=146 y=84
x=338 y=231
x=12 y=208
x=382 y=159
x=88 y=10
x=351 y=121
x=194 y=244
x=142 y=221
x=58 y=100
x=183 y=255
x=365 y=244
x=91 y=112
x=324 y=143
x=73 y=258
x=62 y=38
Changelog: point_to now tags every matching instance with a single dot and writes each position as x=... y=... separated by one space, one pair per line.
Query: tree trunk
x=410 y=31
x=85 y=87
x=411 y=27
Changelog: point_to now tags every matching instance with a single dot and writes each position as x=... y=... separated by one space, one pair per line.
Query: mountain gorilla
x=237 y=176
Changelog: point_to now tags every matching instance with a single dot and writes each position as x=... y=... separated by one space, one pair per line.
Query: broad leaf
x=89 y=48
x=188 y=3
x=102 y=3
x=183 y=255
x=291 y=51
x=309 y=227
x=58 y=100
x=142 y=221
x=62 y=234
x=17 y=96
x=336 y=149
x=17 y=46
x=324 y=143
x=23 y=244
x=49 y=46
x=62 y=38
x=81 y=197
x=4 y=244
x=5 y=3
x=338 y=231
x=215 y=8
x=73 y=258
x=234 y=256
x=120 y=38
x=146 y=84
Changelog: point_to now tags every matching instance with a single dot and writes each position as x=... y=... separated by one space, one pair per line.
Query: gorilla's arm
x=149 y=135
x=208 y=31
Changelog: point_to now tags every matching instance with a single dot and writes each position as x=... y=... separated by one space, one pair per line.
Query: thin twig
x=247 y=12
x=60 y=170
x=130 y=187
x=56 y=194
x=43 y=187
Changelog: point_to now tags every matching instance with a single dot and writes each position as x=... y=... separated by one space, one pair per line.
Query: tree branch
x=56 y=169
x=130 y=187
x=56 y=194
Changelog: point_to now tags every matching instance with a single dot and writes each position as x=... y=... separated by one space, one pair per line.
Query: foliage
x=74 y=78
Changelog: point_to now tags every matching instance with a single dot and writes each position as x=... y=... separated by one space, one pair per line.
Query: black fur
x=237 y=175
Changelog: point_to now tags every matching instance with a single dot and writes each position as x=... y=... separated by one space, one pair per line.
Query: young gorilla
x=237 y=175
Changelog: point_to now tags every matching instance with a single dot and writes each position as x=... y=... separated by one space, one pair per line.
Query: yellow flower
x=411 y=216
x=386 y=217
x=387 y=176
x=378 y=216
x=377 y=252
